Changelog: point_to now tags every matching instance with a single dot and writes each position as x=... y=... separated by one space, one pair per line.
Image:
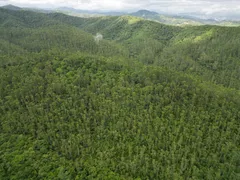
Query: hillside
x=11 y=7
x=176 y=20
x=210 y=52
x=182 y=20
x=142 y=100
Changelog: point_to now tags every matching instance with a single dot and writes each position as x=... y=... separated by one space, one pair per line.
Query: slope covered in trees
x=74 y=108
x=210 y=52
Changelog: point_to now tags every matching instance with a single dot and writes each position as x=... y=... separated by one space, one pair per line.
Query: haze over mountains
x=181 y=20
x=208 y=9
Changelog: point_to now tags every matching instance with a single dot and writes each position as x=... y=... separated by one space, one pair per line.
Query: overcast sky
x=207 y=7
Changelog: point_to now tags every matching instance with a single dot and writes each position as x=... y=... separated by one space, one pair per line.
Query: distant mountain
x=39 y=10
x=114 y=13
x=11 y=7
x=68 y=9
x=16 y=8
x=140 y=13
x=182 y=19
x=144 y=13
x=163 y=18
x=202 y=20
x=176 y=20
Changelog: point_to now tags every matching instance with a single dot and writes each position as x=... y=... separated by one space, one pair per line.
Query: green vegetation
x=182 y=20
x=149 y=101
x=210 y=52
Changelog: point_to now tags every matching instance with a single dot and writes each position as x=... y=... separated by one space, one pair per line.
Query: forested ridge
x=148 y=101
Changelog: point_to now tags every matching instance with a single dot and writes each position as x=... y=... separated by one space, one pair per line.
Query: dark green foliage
x=72 y=108
x=210 y=52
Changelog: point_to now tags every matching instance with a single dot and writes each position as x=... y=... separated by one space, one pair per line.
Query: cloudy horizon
x=214 y=8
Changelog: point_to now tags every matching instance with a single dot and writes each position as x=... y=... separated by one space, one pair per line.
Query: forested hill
x=138 y=100
x=210 y=52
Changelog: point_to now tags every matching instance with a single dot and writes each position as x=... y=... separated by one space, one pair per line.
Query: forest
x=143 y=101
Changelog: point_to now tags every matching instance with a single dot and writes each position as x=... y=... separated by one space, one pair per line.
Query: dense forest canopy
x=146 y=101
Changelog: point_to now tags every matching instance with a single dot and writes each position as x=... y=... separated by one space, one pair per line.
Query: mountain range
x=117 y=97
x=180 y=20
